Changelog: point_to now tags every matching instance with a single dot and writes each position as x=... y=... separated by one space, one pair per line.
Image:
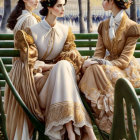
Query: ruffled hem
x=62 y=113
x=102 y=105
x=59 y=126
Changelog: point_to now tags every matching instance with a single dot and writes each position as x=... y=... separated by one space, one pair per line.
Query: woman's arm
x=70 y=53
x=132 y=36
x=100 y=49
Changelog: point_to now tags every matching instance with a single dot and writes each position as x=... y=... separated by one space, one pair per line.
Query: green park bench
x=85 y=44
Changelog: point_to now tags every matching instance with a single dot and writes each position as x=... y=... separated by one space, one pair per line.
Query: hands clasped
x=93 y=61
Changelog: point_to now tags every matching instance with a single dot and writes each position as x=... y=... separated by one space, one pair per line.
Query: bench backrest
x=85 y=43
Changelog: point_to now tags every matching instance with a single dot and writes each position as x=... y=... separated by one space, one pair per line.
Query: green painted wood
x=137 y=90
x=9 y=53
x=2 y=93
x=6 y=44
x=7 y=60
x=8 y=68
x=86 y=52
x=125 y=91
x=86 y=36
x=1 y=76
x=85 y=43
x=137 y=54
x=6 y=37
x=2 y=83
x=79 y=43
x=78 y=36
x=137 y=47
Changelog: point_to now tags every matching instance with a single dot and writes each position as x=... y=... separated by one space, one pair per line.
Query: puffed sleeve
x=28 y=51
x=131 y=38
x=100 y=49
x=70 y=53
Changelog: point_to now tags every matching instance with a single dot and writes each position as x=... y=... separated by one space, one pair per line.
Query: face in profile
x=31 y=4
x=107 y=4
x=58 y=8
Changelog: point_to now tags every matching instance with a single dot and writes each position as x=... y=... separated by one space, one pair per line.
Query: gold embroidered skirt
x=98 y=84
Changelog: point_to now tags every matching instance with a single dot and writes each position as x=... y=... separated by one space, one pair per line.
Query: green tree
x=7 y=10
x=133 y=13
x=81 y=17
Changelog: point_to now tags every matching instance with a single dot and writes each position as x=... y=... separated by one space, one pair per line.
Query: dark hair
x=12 y=20
x=45 y=4
x=122 y=4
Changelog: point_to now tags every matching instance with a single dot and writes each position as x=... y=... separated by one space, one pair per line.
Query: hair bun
x=123 y=4
x=46 y=3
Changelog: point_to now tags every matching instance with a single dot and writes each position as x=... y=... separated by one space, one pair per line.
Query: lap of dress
x=98 y=84
x=60 y=99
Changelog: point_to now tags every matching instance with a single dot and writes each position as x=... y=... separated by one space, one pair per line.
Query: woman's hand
x=87 y=63
x=47 y=67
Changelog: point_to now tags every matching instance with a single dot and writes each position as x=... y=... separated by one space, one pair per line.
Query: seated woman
x=118 y=35
x=53 y=96
x=22 y=16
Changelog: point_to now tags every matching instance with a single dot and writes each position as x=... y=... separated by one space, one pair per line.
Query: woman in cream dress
x=21 y=17
x=54 y=91
x=118 y=35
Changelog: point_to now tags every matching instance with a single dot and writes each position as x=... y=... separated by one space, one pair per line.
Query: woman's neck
x=29 y=9
x=51 y=19
x=115 y=10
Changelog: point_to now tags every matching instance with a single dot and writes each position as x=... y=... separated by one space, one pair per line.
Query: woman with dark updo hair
x=22 y=16
x=118 y=35
x=48 y=85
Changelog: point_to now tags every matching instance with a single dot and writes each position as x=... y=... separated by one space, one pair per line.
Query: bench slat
x=137 y=54
x=78 y=36
x=2 y=93
x=78 y=44
x=137 y=91
x=8 y=68
x=1 y=76
x=87 y=52
x=9 y=53
x=6 y=37
x=7 y=60
x=85 y=43
x=2 y=83
x=137 y=47
x=86 y=36
x=16 y=53
x=6 y=44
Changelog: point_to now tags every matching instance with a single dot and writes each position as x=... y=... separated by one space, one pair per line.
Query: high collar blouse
x=49 y=40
